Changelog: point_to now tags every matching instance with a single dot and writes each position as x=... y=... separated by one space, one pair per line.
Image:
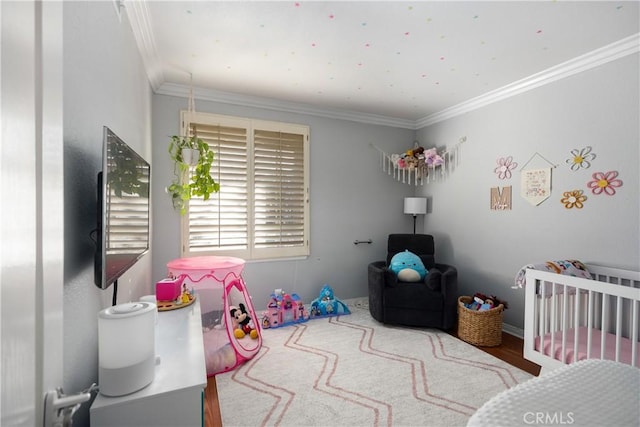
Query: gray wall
x=600 y=108
x=351 y=198
x=104 y=85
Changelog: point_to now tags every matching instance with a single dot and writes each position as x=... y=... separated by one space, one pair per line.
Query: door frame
x=31 y=218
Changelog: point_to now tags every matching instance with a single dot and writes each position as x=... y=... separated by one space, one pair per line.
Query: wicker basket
x=482 y=328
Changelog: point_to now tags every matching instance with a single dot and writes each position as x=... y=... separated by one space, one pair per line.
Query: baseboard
x=364 y=302
x=513 y=330
x=357 y=302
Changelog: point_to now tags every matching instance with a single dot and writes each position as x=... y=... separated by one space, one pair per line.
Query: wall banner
x=535 y=185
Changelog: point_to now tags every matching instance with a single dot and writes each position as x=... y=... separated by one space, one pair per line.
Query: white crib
x=571 y=318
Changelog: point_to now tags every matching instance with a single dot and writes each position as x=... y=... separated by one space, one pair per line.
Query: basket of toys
x=480 y=320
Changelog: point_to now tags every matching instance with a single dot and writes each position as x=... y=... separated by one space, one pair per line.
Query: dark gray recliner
x=432 y=303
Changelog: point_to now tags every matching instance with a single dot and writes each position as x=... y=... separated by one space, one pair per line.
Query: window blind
x=262 y=208
x=279 y=189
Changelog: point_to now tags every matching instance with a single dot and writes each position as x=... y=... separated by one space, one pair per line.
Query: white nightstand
x=175 y=397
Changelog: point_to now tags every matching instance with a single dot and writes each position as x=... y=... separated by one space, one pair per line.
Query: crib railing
x=570 y=318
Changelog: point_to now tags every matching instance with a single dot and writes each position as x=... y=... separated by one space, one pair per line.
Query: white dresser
x=176 y=395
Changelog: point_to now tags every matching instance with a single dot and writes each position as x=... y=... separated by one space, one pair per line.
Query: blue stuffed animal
x=408 y=267
x=327 y=304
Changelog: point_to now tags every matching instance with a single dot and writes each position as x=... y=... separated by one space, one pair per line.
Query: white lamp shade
x=415 y=205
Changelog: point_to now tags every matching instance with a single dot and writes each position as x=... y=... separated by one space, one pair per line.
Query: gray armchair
x=432 y=303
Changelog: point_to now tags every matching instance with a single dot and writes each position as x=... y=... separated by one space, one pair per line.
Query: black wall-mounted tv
x=123 y=208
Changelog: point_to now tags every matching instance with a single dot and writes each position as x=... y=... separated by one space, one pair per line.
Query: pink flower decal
x=505 y=166
x=604 y=182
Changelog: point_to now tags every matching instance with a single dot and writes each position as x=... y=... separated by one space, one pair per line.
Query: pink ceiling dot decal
x=331 y=16
x=539 y=32
x=442 y=58
x=367 y=45
x=313 y=45
x=406 y=33
x=423 y=76
x=297 y=4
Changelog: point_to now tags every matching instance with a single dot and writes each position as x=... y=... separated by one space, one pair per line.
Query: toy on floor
x=481 y=302
x=242 y=322
x=327 y=304
x=284 y=309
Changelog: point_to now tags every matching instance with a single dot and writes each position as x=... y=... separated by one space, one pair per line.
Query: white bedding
x=587 y=393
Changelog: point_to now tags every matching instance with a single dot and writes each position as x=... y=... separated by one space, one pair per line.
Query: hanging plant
x=190 y=153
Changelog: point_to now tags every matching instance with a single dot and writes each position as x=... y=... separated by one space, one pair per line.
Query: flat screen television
x=122 y=235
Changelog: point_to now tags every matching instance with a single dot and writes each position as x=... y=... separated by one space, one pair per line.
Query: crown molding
x=181 y=90
x=140 y=22
x=611 y=52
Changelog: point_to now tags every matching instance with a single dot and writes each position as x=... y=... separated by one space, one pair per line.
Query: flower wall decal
x=604 y=182
x=573 y=199
x=505 y=166
x=581 y=158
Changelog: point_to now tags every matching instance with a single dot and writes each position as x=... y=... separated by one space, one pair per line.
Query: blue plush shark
x=408 y=267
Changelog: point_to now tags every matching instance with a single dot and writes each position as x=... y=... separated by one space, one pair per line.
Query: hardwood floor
x=510 y=351
x=212 y=416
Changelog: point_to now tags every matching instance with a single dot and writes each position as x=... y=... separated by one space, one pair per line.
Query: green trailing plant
x=201 y=183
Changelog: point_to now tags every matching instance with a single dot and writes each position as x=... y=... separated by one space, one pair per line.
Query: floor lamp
x=415 y=206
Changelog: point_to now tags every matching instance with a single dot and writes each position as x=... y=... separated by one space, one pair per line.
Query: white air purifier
x=126 y=348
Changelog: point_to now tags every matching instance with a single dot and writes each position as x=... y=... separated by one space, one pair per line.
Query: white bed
x=569 y=318
x=591 y=392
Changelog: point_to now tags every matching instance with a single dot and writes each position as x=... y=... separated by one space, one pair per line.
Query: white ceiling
x=403 y=61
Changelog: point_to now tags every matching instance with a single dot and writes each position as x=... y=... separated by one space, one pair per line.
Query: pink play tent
x=229 y=324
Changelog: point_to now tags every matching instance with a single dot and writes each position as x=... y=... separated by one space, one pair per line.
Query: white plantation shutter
x=279 y=189
x=220 y=223
x=262 y=208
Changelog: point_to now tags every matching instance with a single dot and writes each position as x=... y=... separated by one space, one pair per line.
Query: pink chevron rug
x=353 y=371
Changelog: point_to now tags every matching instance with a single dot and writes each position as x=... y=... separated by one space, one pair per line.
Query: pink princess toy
x=284 y=309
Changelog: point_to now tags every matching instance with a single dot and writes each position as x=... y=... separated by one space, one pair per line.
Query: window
x=262 y=208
